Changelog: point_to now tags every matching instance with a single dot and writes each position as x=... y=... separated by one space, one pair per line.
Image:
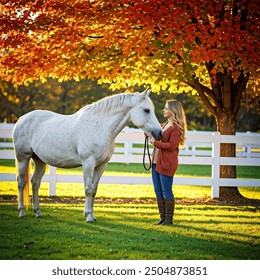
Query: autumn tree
x=209 y=48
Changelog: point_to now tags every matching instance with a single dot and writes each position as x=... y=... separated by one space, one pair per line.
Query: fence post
x=52 y=182
x=193 y=146
x=215 y=169
x=128 y=146
x=248 y=147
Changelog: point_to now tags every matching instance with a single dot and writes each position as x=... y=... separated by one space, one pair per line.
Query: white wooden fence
x=248 y=154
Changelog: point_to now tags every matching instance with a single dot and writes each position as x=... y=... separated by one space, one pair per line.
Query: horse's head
x=142 y=115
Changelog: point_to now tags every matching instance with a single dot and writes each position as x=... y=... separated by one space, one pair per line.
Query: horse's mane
x=109 y=103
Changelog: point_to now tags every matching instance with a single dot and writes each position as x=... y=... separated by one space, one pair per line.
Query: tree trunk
x=226 y=125
x=223 y=101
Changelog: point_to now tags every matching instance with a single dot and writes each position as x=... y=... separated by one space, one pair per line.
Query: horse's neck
x=120 y=120
x=112 y=123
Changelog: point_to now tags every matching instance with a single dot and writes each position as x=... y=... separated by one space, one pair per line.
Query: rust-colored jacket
x=167 y=161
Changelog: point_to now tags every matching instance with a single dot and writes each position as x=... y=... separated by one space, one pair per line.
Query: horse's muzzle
x=157 y=134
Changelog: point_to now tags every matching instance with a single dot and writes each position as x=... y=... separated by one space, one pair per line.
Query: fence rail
x=202 y=148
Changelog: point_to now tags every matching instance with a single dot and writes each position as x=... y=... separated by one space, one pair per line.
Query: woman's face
x=166 y=113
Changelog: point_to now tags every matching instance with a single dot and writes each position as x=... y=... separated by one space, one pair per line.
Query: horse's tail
x=26 y=197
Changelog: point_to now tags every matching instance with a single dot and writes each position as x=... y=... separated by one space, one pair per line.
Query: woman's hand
x=152 y=140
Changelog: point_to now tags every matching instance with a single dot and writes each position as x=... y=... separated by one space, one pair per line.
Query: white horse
x=85 y=139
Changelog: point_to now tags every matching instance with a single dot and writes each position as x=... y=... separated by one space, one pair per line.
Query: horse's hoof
x=38 y=213
x=90 y=220
x=21 y=214
x=90 y=217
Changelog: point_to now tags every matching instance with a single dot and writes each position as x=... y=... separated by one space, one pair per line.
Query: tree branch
x=95 y=36
x=216 y=88
x=201 y=89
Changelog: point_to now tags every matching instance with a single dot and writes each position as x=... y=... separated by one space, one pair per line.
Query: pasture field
x=127 y=231
x=125 y=227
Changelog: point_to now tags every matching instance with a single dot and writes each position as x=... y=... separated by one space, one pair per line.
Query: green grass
x=127 y=230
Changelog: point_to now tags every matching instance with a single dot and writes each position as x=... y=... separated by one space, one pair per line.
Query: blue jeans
x=162 y=184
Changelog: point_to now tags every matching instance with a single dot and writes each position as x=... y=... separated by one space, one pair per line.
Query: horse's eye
x=147 y=111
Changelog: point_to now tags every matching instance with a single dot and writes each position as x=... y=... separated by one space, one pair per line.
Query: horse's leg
x=40 y=168
x=97 y=175
x=88 y=170
x=23 y=180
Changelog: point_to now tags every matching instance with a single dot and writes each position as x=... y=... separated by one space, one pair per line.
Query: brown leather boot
x=169 y=211
x=161 y=207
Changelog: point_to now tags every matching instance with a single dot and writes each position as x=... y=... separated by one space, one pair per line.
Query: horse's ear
x=146 y=92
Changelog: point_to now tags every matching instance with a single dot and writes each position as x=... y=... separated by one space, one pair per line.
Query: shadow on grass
x=128 y=232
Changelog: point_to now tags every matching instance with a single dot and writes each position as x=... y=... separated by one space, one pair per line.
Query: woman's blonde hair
x=178 y=117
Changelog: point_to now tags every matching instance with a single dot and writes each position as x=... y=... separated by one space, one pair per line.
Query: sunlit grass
x=128 y=231
x=109 y=191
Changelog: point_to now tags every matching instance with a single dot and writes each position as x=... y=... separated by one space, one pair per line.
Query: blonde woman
x=165 y=159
